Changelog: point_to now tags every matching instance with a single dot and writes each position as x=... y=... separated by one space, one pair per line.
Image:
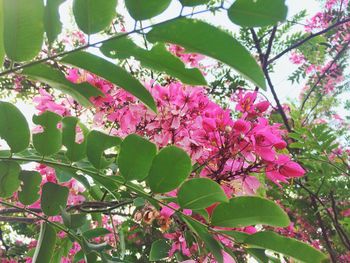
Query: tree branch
x=344 y=48
x=17 y=219
x=301 y=42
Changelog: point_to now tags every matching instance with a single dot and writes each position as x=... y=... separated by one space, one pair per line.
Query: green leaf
x=46 y=244
x=64 y=174
x=249 y=210
x=73 y=221
x=30 y=187
x=52 y=23
x=139 y=201
x=49 y=141
x=135 y=157
x=23 y=28
x=9 y=181
x=53 y=197
x=159 y=250
x=194 y=2
x=2 y=48
x=14 y=128
x=96 y=232
x=146 y=9
x=200 y=193
x=258 y=254
x=200 y=37
x=169 y=169
x=210 y=242
x=158 y=58
x=97 y=143
x=257 y=13
x=75 y=151
x=53 y=77
x=92 y=16
x=286 y=246
x=112 y=73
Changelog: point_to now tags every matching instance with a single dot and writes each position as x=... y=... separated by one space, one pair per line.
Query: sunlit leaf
x=53 y=77
x=169 y=169
x=146 y=9
x=14 y=128
x=9 y=178
x=257 y=13
x=75 y=150
x=49 y=141
x=158 y=58
x=135 y=157
x=194 y=2
x=30 y=187
x=200 y=193
x=201 y=37
x=97 y=143
x=286 y=246
x=249 y=210
x=52 y=23
x=92 y=16
x=23 y=28
x=112 y=73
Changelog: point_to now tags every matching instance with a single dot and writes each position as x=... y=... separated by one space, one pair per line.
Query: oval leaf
x=73 y=221
x=53 y=198
x=249 y=210
x=158 y=58
x=46 y=244
x=135 y=157
x=194 y=2
x=14 y=128
x=286 y=246
x=159 y=250
x=52 y=23
x=112 y=73
x=23 y=28
x=75 y=150
x=169 y=169
x=30 y=187
x=200 y=37
x=49 y=141
x=2 y=49
x=92 y=16
x=53 y=77
x=9 y=178
x=200 y=193
x=146 y=9
x=97 y=143
x=257 y=13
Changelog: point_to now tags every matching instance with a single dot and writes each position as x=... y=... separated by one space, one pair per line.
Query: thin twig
x=301 y=42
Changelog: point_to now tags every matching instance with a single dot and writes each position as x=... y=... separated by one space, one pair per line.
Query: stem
x=329 y=248
x=324 y=74
x=301 y=42
x=40 y=217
